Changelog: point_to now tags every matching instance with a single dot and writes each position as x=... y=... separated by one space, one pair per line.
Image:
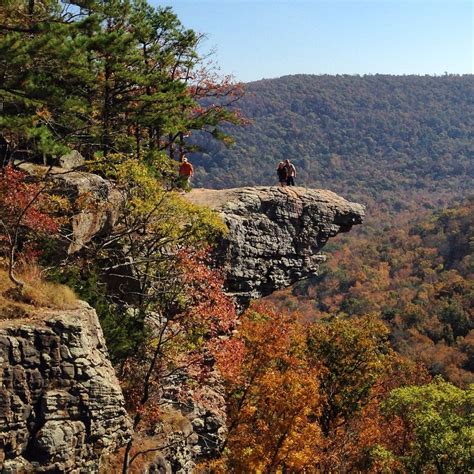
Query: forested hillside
x=343 y=384
x=418 y=278
x=384 y=139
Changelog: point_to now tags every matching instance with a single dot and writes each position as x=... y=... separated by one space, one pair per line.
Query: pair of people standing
x=286 y=173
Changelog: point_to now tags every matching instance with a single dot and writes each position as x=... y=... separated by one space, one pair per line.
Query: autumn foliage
x=23 y=204
x=418 y=277
x=324 y=397
x=182 y=344
x=26 y=214
x=273 y=395
x=341 y=385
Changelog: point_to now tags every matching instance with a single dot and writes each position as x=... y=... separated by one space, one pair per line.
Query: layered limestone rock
x=275 y=234
x=194 y=428
x=61 y=406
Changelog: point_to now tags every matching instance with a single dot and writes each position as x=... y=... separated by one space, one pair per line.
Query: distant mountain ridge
x=372 y=138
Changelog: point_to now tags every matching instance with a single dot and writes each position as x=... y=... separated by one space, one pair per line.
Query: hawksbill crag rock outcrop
x=61 y=407
x=275 y=234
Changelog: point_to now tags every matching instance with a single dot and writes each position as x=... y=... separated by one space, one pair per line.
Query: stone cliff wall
x=275 y=234
x=61 y=406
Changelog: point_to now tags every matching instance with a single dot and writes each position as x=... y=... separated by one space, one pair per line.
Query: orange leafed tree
x=273 y=397
x=307 y=396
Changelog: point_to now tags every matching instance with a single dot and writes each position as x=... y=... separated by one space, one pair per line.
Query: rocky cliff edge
x=61 y=406
x=275 y=234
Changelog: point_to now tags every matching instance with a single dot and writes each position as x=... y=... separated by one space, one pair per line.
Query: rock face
x=99 y=208
x=72 y=160
x=275 y=234
x=192 y=428
x=61 y=406
x=95 y=201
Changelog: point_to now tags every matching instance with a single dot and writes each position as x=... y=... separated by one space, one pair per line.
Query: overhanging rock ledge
x=275 y=234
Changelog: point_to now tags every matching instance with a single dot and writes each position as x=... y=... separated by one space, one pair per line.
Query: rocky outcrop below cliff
x=275 y=234
x=61 y=406
x=194 y=428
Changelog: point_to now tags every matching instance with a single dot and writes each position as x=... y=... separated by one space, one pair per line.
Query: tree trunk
x=137 y=140
x=11 y=274
x=106 y=109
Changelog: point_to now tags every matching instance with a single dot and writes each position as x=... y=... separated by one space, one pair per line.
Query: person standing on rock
x=282 y=174
x=291 y=173
x=186 y=170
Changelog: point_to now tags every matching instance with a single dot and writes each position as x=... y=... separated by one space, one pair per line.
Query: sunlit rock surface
x=275 y=234
x=61 y=405
x=95 y=203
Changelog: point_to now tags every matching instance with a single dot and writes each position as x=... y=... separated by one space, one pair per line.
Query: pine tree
x=104 y=76
x=44 y=78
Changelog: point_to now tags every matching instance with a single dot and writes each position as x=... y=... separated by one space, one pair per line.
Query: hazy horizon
x=359 y=75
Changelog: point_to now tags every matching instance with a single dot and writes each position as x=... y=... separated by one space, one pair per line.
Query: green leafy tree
x=355 y=354
x=439 y=427
x=134 y=269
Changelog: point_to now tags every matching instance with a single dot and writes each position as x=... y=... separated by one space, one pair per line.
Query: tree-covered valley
x=386 y=141
x=416 y=277
x=367 y=367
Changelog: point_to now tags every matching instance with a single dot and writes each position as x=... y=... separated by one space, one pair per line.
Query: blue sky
x=272 y=38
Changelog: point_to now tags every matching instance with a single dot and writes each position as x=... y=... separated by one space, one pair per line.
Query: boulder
x=95 y=202
x=72 y=160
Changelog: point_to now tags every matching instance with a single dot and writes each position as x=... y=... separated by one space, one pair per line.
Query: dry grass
x=37 y=293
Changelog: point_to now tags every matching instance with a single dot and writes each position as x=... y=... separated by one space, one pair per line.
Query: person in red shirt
x=185 y=171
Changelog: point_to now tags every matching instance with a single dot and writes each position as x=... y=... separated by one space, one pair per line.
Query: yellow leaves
x=307 y=397
x=163 y=212
x=275 y=406
x=56 y=204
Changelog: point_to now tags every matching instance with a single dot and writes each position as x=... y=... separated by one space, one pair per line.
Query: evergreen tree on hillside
x=104 y=76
